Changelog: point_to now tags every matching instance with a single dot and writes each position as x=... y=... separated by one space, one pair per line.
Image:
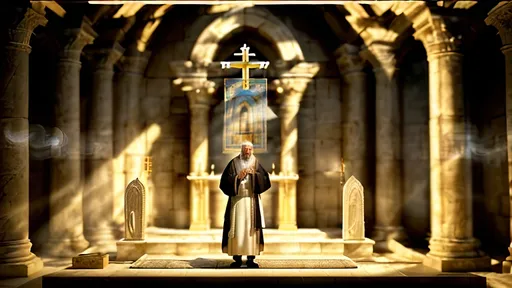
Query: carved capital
x=438 y=35
x=104 y=58
x=135 y=63
x=298 y=70
x=75 y=39
x=349 y=60
x=199 y=92
x=189 y=69
x=290 y=90
x=501 y=18
x=19 y=35
x=382 y=57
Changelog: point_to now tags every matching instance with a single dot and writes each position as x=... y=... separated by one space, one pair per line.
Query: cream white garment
x=243 y=239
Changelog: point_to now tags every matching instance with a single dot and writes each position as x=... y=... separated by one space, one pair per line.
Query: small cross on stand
x=245 y=65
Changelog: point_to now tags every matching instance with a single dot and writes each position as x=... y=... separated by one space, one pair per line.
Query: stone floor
x=384 y=268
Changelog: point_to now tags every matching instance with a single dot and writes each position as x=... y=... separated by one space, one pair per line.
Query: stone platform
x=277 y=242
x=367 y=274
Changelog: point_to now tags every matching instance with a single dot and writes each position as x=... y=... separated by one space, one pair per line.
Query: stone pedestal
x=199 y=107
x=501 y=17
x=287 y=218
x=388 y=186
x=98 y=194
x=293 y=88
x=452 y=246
x=16 y=260
x=66 y=217
x=355 y=127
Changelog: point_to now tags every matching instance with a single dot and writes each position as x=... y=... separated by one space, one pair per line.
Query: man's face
x=246 y=151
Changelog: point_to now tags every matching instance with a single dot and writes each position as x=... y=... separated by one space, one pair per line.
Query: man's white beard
x=246 y=156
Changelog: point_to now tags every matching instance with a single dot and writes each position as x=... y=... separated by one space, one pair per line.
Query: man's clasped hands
x=244 y=172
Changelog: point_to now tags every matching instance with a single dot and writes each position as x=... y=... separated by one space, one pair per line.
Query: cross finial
x=245 y=65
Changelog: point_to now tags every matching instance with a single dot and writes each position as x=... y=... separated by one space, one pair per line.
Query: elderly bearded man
x=243 y=180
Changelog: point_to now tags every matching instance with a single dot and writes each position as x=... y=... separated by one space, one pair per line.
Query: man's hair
x=246 y=143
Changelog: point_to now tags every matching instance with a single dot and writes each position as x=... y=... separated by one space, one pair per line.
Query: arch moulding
x=267 y=25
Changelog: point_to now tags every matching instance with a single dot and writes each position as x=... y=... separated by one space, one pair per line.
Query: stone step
x=277 y=242
x=270 y=234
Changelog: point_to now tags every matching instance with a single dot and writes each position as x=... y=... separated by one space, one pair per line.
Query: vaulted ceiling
x=137 y=22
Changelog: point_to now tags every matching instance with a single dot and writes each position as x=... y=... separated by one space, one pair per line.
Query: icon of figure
x=243 y=180
x=245 y=115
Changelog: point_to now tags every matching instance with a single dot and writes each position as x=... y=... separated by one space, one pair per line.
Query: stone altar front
x=201 y=198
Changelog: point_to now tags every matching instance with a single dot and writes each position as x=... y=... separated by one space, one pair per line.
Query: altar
x=208 y=203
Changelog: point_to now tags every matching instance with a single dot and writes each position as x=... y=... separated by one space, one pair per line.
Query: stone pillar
x=134 y=67
x=293 y=89
x=388 y=182
x=128 y=142
x=355 y=127
x=66 y=217
x=98 y=195
x=199 y=98
x=452 y=245
x=501 y=18
x=16 y=260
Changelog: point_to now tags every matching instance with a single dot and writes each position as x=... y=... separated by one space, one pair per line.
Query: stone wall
x=319 y=194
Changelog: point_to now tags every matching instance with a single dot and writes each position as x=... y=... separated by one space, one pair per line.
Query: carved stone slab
x=134 y=211
x=353 y=210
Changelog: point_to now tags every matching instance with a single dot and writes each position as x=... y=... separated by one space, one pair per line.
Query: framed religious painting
x=245 y=114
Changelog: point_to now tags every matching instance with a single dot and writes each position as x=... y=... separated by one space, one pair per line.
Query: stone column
x=355 y=127
x=501 y=18
x=98 y=196
x=293 y=89
x=199 y=98
x=16 y=260
x=66 y=217
x=133 y=71
x=388 y=182
x=128 y=143
x=452 y=245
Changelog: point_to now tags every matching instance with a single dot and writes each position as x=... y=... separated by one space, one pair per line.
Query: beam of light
x=214 y=9
x=138 y=146
x=228 y=2
x=151 y=27
x=129 y=9
x=54 y=6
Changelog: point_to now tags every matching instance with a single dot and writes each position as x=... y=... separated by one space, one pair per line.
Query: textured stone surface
x=16 y=260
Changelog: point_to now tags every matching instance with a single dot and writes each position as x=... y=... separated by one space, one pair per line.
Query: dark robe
x=261 y=183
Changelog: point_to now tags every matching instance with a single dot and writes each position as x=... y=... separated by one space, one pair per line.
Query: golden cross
x=245 y=65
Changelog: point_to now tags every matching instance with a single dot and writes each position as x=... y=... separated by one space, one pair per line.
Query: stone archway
x=267 y=25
